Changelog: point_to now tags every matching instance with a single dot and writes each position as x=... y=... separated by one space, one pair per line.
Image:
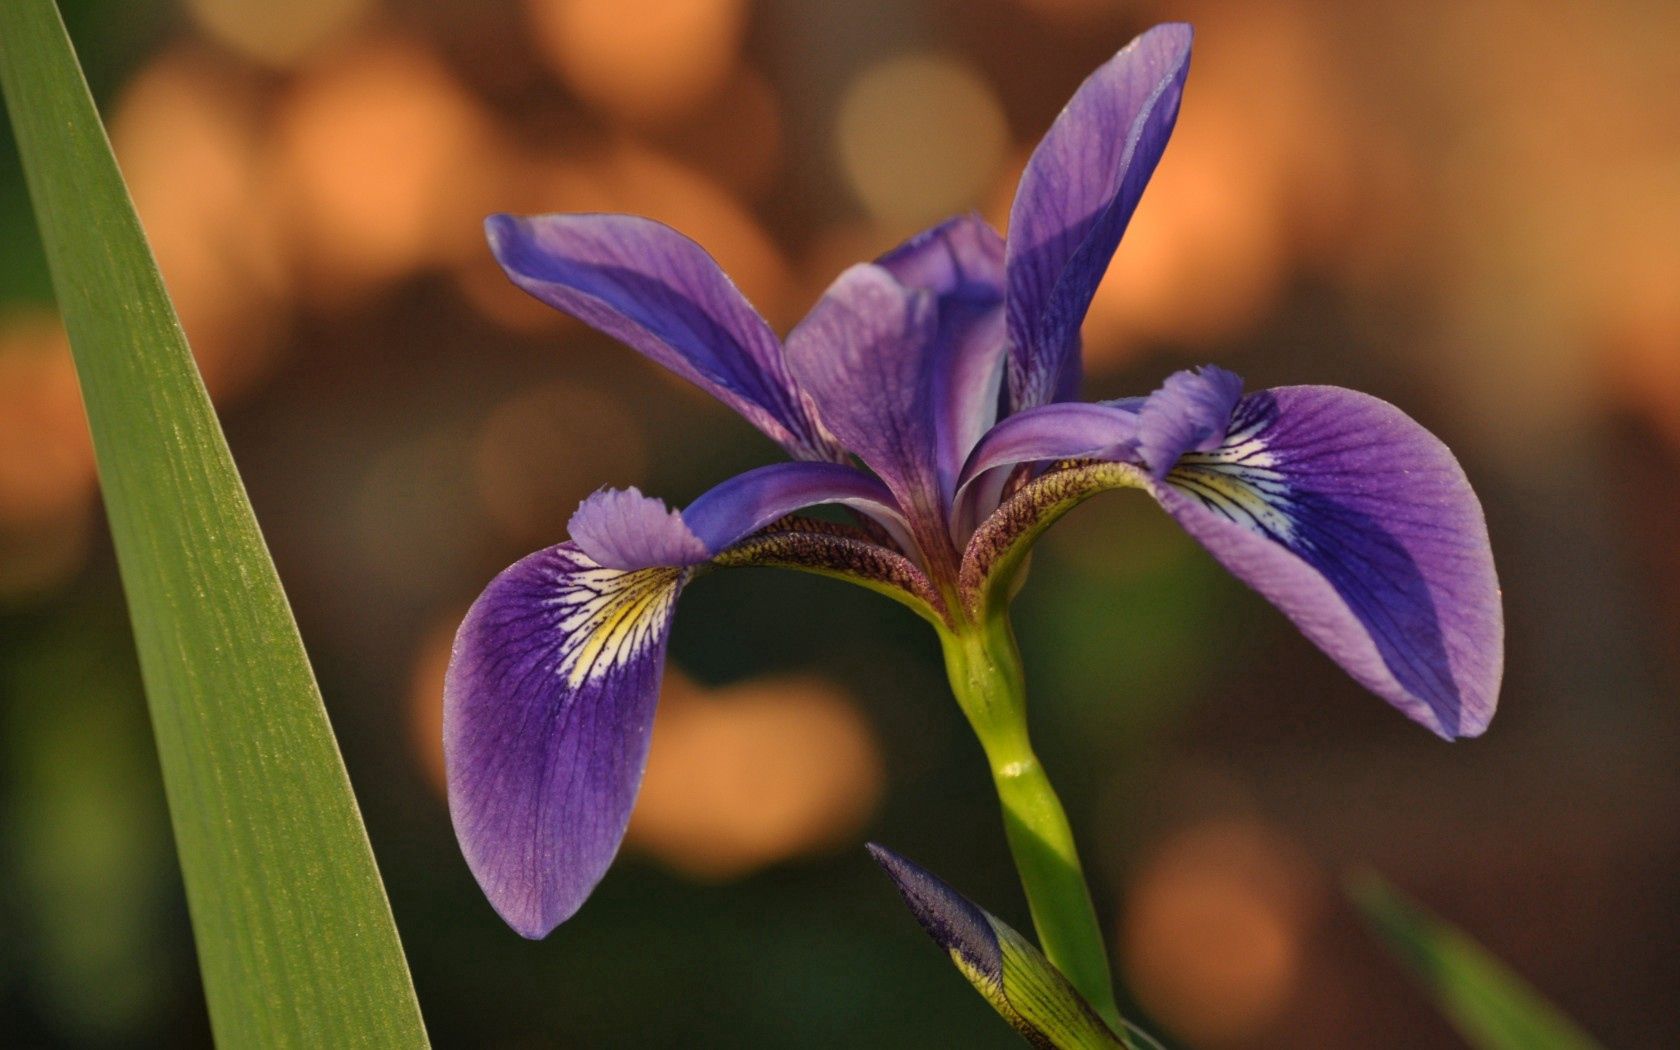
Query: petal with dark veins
x=661 y=294
x=1074 y=201
x=1361 y=527
x=548 y=707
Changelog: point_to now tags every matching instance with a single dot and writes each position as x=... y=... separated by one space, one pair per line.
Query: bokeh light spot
x=277 y=34
x=645 y=60
x=751 y=774
x=425 y=698
x=217 y=232
x=1074 y=13
x=1213 y=934
x=390 y=165
x=544 y=450
x=46 y=457
x=920 y=137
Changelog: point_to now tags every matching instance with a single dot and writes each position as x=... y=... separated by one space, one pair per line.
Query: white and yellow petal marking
x=1241 y=481
x=610 y=617
x=548 y=710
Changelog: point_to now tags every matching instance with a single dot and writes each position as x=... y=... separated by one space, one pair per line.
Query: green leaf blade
x=1492 y=1008
x=294 y=932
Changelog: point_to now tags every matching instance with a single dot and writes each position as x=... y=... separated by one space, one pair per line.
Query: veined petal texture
x=960 y=262
x=1361 y=527
x=1075 y=199
x=865 y=353
x=549 y=699
x=747 y=502
x=548 y=707
x=1189 y=413
x=1064 y=430
x=658 y=292
x=623 y=529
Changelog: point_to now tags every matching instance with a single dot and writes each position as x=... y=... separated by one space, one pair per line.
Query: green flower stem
x=984 y=666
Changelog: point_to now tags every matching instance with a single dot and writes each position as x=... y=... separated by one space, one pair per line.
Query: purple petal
x=1075 y=198
x=865 y=354
x=1189 y=413
x=1065 y=430
x=961 y=262
x=548 y=706
x=748 y=502
x=655 y=290
x=1361 y=527
x=959 y=259
x=623 y=529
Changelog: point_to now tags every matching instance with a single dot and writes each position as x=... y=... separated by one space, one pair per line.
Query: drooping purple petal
x=865 y=354
x=655 y=290
x=1075 y=198
x=1189 y=413
x=961 y=262
x=623 y=529
x=1361 y=527
x=1065 y=430
x=548 y=707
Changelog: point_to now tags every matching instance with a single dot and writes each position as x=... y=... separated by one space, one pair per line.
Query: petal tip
x=500 y=228
x=519 y=702
x=954 y=922
x=532 y=927
x=1178 y=34
x=1470 y=720
x=623 y=529
x=1189 y=412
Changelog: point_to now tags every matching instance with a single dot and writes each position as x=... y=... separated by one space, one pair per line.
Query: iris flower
x=932 y=392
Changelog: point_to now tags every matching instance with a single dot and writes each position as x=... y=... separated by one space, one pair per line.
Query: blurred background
x=1470 y=210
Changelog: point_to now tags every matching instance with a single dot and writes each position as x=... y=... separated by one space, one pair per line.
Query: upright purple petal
x=1361 y=527
x=1188 y=414
x=961 y=262
x=1075 y=198
x=865 y=354
x=655 y=290
x=548 y=707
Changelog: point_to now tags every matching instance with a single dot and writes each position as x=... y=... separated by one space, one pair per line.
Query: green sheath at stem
x=984 y=666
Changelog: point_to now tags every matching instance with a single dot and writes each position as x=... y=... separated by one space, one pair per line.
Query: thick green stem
x=985 y=671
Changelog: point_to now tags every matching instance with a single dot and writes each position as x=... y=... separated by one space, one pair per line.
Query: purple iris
x=930 y=392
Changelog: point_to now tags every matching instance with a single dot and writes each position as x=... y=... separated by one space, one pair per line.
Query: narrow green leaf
x=1491 y=1007
x=1003 y=966
x=295 y=936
